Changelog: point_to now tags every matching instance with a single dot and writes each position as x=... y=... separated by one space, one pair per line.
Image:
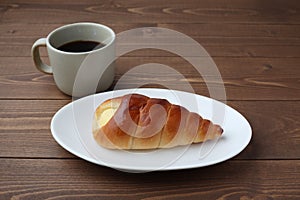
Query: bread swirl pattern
x=136 y=121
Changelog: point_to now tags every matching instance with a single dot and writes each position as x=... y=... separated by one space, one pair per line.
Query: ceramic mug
x=78 y=73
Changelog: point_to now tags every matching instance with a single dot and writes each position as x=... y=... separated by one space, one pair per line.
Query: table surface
x=256 y=46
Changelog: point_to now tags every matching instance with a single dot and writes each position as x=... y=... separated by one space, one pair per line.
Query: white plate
x=71 y=127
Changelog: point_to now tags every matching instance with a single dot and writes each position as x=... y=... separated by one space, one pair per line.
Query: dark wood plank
x=244 y=78
x=275 y=31
x=228 y=67
x=69 y=179
x=275 y=128
x=24 y=129
x=17 y=41
x=215 y=50
x=255 y=31
x=30 y=142
x=135 y=11
x=206 y=34
x=30 y=86
x=237 y=40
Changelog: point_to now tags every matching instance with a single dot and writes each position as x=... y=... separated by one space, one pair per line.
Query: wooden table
x=256 y=46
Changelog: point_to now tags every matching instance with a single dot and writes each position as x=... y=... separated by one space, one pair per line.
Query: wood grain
x=255 y=44
x=244 y=78
x=69 y=179
x=208 y=34
x=244 y=41
x=241 y=50
x=24 y=129
x=270 y=32
x=134 y=11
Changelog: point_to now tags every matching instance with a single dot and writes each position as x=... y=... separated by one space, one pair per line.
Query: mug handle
x=37 y=58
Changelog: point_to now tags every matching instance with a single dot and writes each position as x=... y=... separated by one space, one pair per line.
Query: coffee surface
x=80 y=46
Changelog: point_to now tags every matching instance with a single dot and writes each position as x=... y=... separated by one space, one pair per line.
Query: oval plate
x=71 y=127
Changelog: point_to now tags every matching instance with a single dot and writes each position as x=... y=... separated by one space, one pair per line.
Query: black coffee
x=80 y=46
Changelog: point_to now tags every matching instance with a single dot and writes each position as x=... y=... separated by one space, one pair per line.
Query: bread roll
x=136 y=121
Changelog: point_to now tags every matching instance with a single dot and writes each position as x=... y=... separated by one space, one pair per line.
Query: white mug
x=78 y=73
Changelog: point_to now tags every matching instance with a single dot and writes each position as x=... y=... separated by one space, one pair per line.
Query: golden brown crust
x=191 y=128
x=140 y=122
x=100 y=133
x=116 y=133
x=174 y=127
x=153 y=117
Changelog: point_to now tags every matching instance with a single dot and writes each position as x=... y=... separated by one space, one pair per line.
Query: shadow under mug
x=83 y=73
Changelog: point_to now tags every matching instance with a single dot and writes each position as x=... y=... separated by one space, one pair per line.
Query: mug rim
x=78 y=24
